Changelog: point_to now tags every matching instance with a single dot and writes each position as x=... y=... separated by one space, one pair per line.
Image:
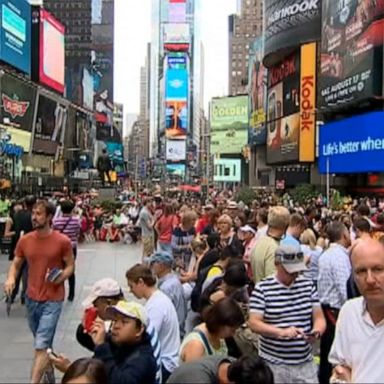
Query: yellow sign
x=20 y=137
x=307 y=103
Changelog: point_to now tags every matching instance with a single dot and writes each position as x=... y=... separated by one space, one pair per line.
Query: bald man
x=358 y=347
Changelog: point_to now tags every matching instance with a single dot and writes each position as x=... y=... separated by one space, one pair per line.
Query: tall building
x=176 y=57
x=244 y=27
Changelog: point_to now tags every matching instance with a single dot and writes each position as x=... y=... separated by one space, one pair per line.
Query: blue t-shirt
x=290 y=240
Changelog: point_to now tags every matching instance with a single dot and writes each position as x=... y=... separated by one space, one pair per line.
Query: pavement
x=94 y=261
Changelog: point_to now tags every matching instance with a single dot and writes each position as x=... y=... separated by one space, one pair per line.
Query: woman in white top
x=313 y=252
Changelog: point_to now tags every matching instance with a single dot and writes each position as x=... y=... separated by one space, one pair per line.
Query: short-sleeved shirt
x=68 y=225
x=43 y=253
x=285 y=307
x=144 y=218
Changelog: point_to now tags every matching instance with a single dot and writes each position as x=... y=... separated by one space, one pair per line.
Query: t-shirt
x=145 y=217
x=165 y=227
x=162 y=316
x=290 y=240
x=285 y=307
x=43 y=253
x=68 y=225
x=202 y=371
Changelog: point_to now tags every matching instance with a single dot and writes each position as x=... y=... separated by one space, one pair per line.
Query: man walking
x=334 y=272
x=50 y=260
x=146 y=222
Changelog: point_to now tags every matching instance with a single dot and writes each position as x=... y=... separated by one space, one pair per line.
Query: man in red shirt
x=204 y=219
x=50 y=262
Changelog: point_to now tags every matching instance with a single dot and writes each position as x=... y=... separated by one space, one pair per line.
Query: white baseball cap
x=248 y=228
x=106 y=287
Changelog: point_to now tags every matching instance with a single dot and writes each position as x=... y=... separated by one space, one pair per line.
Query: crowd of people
x=232 y=293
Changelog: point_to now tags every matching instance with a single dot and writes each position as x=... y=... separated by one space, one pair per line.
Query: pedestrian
x=161 y=315
x=247 y=234
x=146 y=222
x=205 y=219
x=334 y=272
x=262 y=222
x=169 y=283
x=313 y=252
x=85 y=371
x=263 y=255
x=357 y=349
x=228 y=237
x=285 y=311
x=164 y=228
x=69 y=225
x=50 y=262
x=296 y=227
x=222 y=369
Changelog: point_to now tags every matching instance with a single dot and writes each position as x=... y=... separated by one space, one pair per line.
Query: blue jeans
x=42 y=319
x=164 y=247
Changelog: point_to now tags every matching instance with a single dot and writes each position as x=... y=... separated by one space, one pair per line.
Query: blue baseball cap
x=162 y=258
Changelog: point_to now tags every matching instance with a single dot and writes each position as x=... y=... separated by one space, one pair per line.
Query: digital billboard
x=351 y=52
x=175 y=150
x=353 y=145
x=176 y=169
x=229 y=124
x=15 y=34
x=227 y=170
x=52 y=52
x=87 y=89
x=176 y=33
x=177 y=11
x=177 y=61
x=258 y=94
x=176 y=119
x=176 y=87
x=288 y=24
x=116 y=154
x=283 y=115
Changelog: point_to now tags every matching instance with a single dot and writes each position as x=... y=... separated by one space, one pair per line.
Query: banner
x=353 y=145
x=351 y=52
x=308 y=103
x=177 y=61
x=290 y=23
x=258 y=95
x=283 y=117
x=176 y=119
x=176 y=150
x=227 y=170
x=176 y=33
x=229 y=124
x=18 y=99
x=177 y=170
x=19 y=137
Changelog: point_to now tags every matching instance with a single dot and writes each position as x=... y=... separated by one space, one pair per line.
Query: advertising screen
x=177 y=61
x=87 y=88
x=116 y=154
x=50 y=126
x=353 y=145
x=290 y=23
x=229 y=124
x=176 y=150
x=52 y=52
x=176 y=170
x=15 y=34
x=176 y=33
x=283 y=117
x=258 y=95
x=176 y=119
x=227 y=170
x=176 y=87
x=177 y=11
x=18 y=100
x=351 y=52
x=178 y=47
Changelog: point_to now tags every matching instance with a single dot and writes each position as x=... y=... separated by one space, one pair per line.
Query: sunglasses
x=290 y=257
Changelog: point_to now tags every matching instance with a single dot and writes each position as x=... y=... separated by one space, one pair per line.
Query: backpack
x=197 y=289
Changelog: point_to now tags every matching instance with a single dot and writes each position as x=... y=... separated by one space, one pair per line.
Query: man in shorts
x=50 y=262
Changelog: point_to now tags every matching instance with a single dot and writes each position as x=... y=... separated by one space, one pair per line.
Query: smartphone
x=54 y=274
x=50 y=352
x=90 y=316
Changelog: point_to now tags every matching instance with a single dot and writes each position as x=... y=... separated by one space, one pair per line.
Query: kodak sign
x=307 y=103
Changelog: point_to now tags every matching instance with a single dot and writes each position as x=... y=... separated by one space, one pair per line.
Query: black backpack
x=197 y=289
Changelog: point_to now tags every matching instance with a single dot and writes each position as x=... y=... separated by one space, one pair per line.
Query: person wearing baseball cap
x=297 y=321
x=248 y=235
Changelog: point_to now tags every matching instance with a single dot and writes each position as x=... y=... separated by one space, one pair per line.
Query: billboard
x=176 y=87
x=176 y=119
x=172 y=47
x=116 y=154
x=283 y=114
x=50 y=126
x=52 y=52
x=175 y=150
x=290 y=23
x=353 y=145
x=177 y=11
x=18 y=100
x=177 y=61
x=229 y=124
x=176 y=33
x=307 y=103
x=227 y=170
x=87 y=89
x=258 y=94
x=15 y=34
x=176 y=169
x=351 y=52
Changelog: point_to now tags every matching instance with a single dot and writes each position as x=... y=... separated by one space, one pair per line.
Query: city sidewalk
x=94 y=261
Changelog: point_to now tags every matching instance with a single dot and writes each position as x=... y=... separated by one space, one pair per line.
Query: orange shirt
x=43 y=253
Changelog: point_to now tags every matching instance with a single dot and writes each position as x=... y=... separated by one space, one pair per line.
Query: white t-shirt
x=358 y=343
x=163 y=317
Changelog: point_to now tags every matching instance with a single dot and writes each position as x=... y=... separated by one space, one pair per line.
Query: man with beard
x=50 y=260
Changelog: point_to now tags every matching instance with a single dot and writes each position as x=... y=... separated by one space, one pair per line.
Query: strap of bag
x=205 y=341
x=65 y=225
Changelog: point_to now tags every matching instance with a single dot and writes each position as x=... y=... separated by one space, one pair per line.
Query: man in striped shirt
x=286 y=312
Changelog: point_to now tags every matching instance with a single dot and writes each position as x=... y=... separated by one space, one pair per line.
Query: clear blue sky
x=132 y=32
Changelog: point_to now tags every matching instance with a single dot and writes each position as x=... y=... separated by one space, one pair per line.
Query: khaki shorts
x=148 y=246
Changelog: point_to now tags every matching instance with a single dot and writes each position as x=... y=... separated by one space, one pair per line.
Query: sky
x=132 y=33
